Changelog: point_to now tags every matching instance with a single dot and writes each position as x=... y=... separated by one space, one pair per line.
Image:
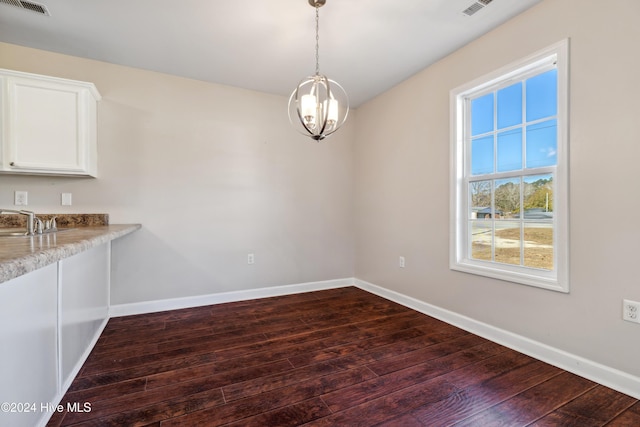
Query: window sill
x=533 y=279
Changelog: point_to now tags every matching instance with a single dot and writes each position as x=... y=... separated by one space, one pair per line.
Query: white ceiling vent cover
x=475 y=7
x=28 y=5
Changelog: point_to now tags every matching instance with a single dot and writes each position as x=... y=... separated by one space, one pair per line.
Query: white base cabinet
x=29 y=349
x=49 y=125
x=50 y=319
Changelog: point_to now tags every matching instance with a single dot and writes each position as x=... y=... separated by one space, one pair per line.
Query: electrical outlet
x=401 y=262
x=251 y=259
x=20 y=198
x=631 y=311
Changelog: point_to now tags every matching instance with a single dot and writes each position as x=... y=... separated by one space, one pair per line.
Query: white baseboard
x=605 y=375
x=202 y=300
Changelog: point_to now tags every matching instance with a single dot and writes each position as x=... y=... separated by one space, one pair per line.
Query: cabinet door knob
x=12 y=164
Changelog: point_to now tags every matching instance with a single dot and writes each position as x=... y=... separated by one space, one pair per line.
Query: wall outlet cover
x=631 y=311
x=21 y=198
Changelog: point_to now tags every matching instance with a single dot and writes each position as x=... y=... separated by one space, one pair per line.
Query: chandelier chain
x=317 y=39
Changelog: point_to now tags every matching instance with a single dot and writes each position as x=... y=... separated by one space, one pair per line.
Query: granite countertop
x=23 y=254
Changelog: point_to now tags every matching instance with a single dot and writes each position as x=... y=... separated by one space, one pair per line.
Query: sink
x=20 y=232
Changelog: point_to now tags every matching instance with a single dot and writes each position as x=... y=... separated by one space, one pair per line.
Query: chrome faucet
x=31 y=219
x=51 y=225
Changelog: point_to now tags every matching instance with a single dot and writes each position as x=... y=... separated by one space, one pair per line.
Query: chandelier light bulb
x=333 y=112
x=308 y=107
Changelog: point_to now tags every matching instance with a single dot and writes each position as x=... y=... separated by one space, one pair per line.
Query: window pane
x=507 y=197
x=510 y=150
x=542 y=98
x=481 y=240
x=480 y=198
x=542 y=144
x=508 y=242
x=482 y=155
x=538 y=245
x=538 y=197
x=510 y=106
x=482 y=115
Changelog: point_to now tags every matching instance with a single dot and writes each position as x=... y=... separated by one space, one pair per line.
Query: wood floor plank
x=108 y=391
x=255 y=386
x=155 y=413
x=503 y=375
x=88 y=380
x=399 y=379
x=372 y=349
x=339 y=357
x=629 y=418
x=271 y=344
x=482 y=393
x=595 y=407
x=531 y=404
x=361 y=344
x=411 y=375
x=490 y=369
x=557 y=418
x=222 y=378
x=257 y=404
x=181 y=398
x=144 y=354
x=288 y=416
x=427 y=353
x=405 y=420
x=390 y=405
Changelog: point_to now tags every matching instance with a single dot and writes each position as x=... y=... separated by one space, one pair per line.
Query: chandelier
x=319 y=104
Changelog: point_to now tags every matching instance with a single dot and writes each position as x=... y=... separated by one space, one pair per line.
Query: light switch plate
x=65 y=199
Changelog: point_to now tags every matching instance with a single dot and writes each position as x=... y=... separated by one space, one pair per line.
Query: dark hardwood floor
x=340 y=357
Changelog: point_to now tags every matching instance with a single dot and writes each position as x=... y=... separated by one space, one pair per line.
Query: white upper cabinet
x=48 y=125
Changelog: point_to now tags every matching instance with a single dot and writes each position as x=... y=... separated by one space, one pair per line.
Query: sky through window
x=506 y=138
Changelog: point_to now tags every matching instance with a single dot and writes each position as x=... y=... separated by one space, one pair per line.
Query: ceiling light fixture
x=318 y=103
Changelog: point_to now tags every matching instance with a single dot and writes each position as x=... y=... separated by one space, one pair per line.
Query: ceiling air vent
x=28 y=5
x=479 y=4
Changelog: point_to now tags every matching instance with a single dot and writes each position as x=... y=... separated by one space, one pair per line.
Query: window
x=509 y=178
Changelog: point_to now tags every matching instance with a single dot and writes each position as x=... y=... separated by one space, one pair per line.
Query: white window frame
x=459 y=260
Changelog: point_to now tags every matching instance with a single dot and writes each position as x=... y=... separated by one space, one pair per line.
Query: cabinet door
x=50 y=128
x=29 y=350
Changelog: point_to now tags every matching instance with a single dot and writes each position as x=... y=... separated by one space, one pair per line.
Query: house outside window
x=509 y=172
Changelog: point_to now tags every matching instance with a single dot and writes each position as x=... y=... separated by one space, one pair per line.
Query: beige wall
x=402 y=184
x=212 y=172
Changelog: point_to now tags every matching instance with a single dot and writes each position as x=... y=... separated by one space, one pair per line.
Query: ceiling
x=264 y=45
